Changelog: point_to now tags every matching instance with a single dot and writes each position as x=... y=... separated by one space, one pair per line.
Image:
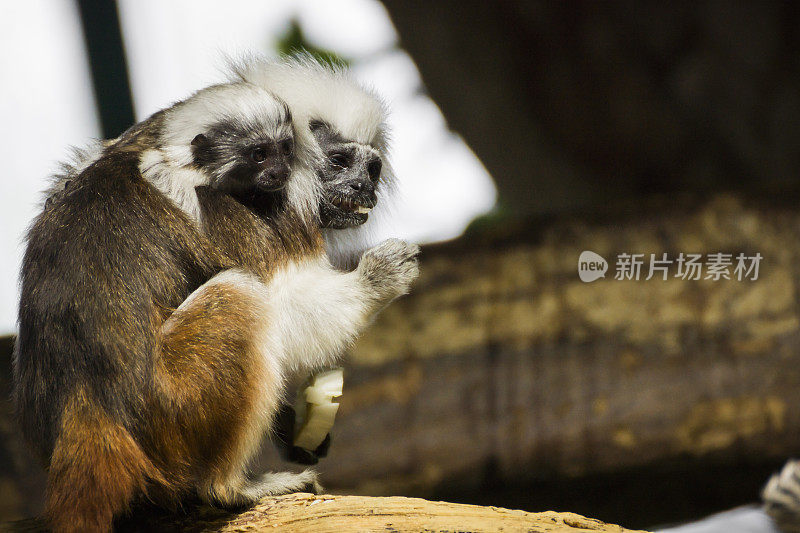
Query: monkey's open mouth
x=351 y=206
x=341 y=212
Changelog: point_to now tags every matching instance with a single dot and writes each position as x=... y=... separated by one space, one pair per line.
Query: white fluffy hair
x=168 y=165
x=171 y=169
x=316 y=90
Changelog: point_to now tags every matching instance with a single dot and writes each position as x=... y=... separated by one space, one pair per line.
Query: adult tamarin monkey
x=122 y=384
x=342 y=127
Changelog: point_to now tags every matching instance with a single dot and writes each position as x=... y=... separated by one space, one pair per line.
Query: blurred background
x=524 y=132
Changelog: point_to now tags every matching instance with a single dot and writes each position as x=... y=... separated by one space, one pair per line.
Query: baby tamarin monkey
x=127 y=387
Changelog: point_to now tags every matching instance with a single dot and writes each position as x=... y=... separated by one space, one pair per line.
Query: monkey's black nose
x=362 y=186
x=278 y=174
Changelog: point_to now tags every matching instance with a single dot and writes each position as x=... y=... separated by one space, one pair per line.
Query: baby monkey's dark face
x=244 y=161
x=349 y=178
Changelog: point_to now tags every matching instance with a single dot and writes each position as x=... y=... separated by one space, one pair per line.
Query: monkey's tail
x=781 y=498
x=95 y=471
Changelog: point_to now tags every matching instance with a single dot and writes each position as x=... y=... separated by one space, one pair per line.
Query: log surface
x=301 y=513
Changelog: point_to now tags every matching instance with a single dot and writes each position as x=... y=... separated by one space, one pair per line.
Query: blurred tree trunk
x=570 y=104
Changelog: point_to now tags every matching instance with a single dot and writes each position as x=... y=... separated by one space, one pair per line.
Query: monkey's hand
x=283 y=434
x=389 y=268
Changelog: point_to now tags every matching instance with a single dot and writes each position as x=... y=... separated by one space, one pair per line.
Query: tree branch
x=301 y=513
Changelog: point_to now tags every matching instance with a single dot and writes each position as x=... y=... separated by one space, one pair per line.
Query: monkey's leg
x=227 y=348
x=317 y=311
x=96 y=469
x=222 y=383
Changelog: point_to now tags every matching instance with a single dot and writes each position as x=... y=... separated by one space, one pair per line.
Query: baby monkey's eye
x=287 y=147
x=259 y=154
x=338 y=159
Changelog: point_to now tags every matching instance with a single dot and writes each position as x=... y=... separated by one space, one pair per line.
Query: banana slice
x=316 y=409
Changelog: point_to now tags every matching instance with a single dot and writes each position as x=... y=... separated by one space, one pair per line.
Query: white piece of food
x=317 y=410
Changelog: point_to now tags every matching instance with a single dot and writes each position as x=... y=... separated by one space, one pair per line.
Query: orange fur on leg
x=95 y=471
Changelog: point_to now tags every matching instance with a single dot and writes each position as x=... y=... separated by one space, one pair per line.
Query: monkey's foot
x=279 y=483
x=238 y=498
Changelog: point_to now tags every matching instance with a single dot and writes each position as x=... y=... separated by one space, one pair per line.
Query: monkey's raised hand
x=389 y=268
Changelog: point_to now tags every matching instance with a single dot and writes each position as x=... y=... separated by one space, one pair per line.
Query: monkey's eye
x=374 y=169
x=287 y=147
x=338 y=159
x=259 y=154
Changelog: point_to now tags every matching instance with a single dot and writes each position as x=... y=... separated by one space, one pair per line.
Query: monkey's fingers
x=302 y=456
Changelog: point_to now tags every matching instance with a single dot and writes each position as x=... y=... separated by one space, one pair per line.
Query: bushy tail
x=95 y=471
x=782 y=498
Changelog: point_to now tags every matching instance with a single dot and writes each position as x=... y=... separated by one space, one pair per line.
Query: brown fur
x=93 y=455
x=166 y=405
x=212 y=394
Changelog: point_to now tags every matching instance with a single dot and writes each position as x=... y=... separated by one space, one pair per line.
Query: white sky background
x=46 y=105
x=176 y=47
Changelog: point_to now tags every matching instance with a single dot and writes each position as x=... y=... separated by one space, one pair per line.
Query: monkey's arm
x=317 y=311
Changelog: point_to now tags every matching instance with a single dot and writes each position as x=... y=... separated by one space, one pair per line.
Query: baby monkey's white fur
x=169 y=165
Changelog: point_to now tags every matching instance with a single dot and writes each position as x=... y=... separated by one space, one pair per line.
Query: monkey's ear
x=199 y=140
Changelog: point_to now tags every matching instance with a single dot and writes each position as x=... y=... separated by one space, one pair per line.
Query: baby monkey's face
x=349 y=176
x=243 y=159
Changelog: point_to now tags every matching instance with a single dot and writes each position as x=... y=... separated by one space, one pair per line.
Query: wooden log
x=300 y=513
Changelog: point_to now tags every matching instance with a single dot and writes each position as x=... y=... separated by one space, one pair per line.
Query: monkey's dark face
x=242 y=163
x=349 y=175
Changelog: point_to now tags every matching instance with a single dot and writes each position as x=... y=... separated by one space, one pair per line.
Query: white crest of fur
x=168 y=166
x=318 y=91
x=176 y=177
x=184 y=120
